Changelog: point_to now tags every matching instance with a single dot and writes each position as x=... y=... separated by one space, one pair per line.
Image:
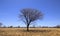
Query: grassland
x=32 y=32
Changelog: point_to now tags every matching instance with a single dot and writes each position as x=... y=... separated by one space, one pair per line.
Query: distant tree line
x=57 y=26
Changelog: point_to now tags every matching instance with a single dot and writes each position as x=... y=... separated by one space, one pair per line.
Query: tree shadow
x=36 y=30
x=1 y=31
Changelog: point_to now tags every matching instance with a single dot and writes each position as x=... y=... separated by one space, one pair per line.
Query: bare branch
x=30 y=15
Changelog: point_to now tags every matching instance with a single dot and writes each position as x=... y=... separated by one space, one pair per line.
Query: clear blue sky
x=9 y=11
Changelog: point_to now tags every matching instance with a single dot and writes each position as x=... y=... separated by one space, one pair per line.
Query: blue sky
x=9 y=11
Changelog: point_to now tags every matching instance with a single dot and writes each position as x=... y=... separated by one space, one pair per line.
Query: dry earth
x=32 y=32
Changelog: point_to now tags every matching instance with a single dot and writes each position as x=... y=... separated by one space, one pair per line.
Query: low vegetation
x=32 y=32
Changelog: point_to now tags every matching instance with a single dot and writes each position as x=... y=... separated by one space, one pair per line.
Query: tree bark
x=27 y=27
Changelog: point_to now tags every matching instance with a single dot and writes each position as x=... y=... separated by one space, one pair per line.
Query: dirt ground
x=32 y=32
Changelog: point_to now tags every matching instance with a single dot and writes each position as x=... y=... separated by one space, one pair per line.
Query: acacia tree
x=30 y=15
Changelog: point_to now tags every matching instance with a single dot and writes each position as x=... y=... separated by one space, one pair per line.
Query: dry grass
x=32 y=32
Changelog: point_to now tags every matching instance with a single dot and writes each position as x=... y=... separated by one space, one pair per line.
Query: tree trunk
x=27 y=27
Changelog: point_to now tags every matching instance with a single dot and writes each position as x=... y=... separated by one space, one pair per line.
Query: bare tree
x=18 y=26
x=11 y=27
x=1 y=24
x=4 y=26
x=58 y=26
x=29 y=15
